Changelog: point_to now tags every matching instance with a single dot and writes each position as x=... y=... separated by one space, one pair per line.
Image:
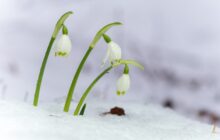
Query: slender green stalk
x=44 y=63
x=89 y=89
x=74 y=81
x=40 y=77
x=79 y=69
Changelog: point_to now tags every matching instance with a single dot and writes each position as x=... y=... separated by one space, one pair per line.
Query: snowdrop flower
x=123 y=83
x=64 y=45
x=113 y=52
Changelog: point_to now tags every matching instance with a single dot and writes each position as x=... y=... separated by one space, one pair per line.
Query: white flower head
x=123 y=84
x=113 y=52
x=63 y=46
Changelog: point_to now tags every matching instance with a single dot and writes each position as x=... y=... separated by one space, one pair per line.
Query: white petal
x=63 y=46
x=115 y=51
x=106 y=57
x=123 y=83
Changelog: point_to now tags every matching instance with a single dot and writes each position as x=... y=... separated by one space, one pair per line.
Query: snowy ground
x=20 y=121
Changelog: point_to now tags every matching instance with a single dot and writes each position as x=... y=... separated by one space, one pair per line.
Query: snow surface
x=21 y=121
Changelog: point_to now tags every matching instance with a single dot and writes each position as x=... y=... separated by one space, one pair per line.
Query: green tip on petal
x=62 y=54
x=119 y=93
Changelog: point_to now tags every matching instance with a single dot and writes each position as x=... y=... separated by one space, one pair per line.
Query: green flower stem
x=89 y=89
x=73 y=84
x=40 y=77
x=79 y=69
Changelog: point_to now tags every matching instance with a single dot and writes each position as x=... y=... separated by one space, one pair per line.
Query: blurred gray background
x=177 y=42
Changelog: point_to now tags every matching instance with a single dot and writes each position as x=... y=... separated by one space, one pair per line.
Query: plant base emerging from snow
x=85 y=94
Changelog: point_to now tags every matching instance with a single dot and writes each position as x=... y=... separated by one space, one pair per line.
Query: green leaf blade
x=129 y=62
x=60 y=22
x=100 y=33
x=83 y=110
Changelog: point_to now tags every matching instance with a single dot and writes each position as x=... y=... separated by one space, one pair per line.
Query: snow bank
x=20 y=121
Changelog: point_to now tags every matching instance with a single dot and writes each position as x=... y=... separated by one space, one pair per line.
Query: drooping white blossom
x=63 y=46
x=113 y=53
x=123 y=84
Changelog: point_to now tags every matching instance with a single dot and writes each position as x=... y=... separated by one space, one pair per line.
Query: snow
x=22 y=121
